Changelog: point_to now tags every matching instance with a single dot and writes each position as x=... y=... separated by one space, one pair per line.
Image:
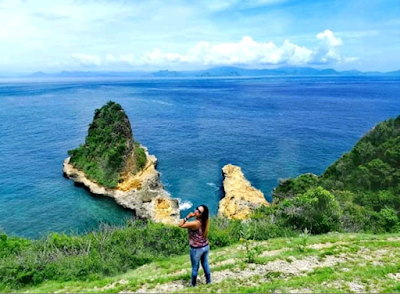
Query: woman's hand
x=191 y=214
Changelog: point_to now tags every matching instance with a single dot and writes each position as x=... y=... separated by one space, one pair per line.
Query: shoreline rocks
x=143 y=193
x=240 y=197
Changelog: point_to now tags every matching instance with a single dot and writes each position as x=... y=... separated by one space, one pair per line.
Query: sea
x=272 y=127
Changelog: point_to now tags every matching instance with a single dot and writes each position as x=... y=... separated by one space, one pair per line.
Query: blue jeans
x=197 y=255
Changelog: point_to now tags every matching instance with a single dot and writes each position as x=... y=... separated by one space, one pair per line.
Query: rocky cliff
x=111 y=163
x=240 y=197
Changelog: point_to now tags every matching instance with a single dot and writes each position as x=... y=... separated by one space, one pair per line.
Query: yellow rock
x=240 y=197
x=142 y=192
x=163 y=211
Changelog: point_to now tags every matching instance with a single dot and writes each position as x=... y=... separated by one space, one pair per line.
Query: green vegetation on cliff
x=373 y=164
x=359 y=192
x=109 y=148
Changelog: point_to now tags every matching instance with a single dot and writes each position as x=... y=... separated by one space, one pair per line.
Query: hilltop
x=330 y=263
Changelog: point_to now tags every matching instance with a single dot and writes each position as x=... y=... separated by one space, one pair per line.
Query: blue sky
x=129 y=35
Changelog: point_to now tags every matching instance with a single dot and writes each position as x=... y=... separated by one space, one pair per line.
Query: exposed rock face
x=240 y=197
x=143 y=193
x=112 y=163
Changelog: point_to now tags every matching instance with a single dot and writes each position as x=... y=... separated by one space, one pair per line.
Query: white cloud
x=87 y=59
x=238 y=4
x=328 y=39
x=244 y=52
x=154 y=33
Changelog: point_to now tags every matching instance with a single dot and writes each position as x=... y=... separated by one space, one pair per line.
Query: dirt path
x=293 y=267
x=289 y=267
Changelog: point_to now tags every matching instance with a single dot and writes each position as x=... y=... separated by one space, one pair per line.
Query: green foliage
x=109 y=251
x=302 y=242
x=250 y=250
x=107 y=146
x=289 y=188
x=224 y=232
x=248 y=233
x=365 y=182
x=11 y=245
x=355 y=218
x=389 y=220
x=141 y=158
x=318 y=210
x=372 y=165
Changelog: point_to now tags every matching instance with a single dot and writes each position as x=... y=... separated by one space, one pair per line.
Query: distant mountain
x=352 y=72
x=394 y=73
x=168 y=74
x=223 y=71
x=237 y=71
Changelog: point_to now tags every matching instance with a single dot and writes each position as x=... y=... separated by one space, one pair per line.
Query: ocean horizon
x=272 y=127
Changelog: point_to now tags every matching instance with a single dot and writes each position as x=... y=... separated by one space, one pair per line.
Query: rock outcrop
x=111 y=163
x=143 y=193
x=240 y=197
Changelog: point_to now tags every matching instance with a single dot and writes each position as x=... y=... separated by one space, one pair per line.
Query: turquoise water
x=272 y=127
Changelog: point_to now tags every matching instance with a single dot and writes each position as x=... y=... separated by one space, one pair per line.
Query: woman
x=199 y=247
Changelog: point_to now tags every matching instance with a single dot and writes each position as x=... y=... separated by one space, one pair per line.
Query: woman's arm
x=194 y=225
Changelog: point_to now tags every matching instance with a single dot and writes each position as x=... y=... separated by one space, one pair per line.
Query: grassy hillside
x=339 y=263
x=111 y=250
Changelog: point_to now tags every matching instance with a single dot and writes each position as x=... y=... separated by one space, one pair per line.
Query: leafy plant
x=251 y=250
x=303 y=240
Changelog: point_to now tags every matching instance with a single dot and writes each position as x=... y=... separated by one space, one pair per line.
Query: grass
x=362 y=263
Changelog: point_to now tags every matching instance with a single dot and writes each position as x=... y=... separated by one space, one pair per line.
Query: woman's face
x=199 y=211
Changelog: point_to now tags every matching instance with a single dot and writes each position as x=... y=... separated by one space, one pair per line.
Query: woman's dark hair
x=205 y=223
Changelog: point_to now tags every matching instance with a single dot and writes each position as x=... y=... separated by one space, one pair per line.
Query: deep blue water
x=272 y=127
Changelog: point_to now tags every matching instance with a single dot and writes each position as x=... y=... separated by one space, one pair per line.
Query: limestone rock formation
x=240 y=197
x=112 y=164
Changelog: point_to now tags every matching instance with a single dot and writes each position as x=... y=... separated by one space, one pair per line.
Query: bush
x=316 y=210
x=289 y=188
x=224 y=232
x=108 y=251
x=389 y=219
x=12 y=245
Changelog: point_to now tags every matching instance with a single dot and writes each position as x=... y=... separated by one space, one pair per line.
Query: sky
x=136 y=35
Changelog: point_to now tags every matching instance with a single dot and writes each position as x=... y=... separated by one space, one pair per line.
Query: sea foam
x=185 y=204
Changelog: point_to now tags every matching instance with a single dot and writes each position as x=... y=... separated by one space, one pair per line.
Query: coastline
x=143 y=193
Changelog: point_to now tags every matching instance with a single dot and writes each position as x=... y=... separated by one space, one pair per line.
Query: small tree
x=389 y=220
x=318 y=211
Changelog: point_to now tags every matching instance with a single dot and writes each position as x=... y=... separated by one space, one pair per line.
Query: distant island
x=224 y=71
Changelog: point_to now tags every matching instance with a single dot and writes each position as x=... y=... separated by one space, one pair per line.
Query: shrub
x=389 y=219
x=316 y=210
